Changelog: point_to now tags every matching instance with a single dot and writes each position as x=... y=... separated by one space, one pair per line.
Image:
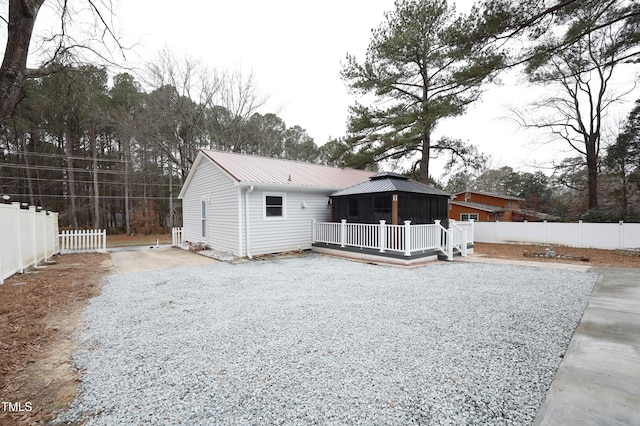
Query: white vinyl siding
x=292 y=233
x=212 y=185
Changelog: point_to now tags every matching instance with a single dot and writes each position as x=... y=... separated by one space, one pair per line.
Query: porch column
x=394 y=209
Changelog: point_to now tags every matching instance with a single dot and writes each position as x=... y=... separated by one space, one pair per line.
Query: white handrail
x=407 y=239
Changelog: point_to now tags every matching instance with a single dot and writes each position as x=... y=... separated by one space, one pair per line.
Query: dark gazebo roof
x=389 y=182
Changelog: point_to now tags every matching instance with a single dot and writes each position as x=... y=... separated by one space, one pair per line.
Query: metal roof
x=479 y=206
x=252 y=169
x=492 y=194
x=389 y=182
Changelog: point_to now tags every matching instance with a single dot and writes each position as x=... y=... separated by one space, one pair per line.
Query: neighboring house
x=488 y=207
x=249 y=205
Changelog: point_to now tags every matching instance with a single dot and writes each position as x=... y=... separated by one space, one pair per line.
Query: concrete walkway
x=598 y=381
x=147 y=258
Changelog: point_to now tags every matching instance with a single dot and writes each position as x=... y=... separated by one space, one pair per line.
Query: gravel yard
x=319 y=340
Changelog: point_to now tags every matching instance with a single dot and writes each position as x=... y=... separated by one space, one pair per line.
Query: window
x=466 y=217
x=353 y=208
x=204 y=218
x=274 y=206
x=382 y=204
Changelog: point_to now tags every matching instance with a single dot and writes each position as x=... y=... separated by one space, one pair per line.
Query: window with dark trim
x=273 y=206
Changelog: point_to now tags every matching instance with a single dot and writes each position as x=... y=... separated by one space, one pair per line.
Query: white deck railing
x=77 y=241
x=407 y=239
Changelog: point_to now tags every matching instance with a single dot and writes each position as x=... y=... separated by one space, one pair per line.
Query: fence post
x=381 y=240
x=407 y=238
x=621 y=235
x=343 y=232
x=34 y=229
x=580 y=230
x=17 y=239
x=104 y=240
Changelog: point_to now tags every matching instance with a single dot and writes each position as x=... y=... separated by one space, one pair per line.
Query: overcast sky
x=295 y=49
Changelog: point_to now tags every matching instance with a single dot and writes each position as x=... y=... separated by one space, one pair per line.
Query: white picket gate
x=177 y=236
x=83 y=240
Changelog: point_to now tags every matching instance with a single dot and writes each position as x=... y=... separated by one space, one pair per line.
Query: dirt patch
x=597 y=257
x=137 y=240
x=39 y=311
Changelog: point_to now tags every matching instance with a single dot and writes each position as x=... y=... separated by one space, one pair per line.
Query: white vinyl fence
x=583 y=235
x=27 y=237
x=84 y=240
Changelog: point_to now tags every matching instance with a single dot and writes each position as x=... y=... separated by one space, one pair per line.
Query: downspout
x=246 y=220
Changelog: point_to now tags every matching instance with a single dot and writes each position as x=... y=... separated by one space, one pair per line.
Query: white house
x=249 y=205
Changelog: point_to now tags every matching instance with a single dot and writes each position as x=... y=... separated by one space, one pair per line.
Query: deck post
x=343 y=232
x=381 y=240
x=313 y=231
x=407 y=238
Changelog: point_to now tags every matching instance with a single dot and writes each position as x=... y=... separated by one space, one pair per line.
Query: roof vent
x=388 y=175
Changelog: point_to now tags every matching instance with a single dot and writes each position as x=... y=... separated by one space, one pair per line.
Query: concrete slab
x=136 y=259
x=598 y=381
x=555 y=265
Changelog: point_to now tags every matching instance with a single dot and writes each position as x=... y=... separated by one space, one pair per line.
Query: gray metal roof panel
x=378 y=185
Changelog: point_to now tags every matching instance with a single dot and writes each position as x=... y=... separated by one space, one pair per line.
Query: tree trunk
x=127 y=160
x=424 y=161
x=96 y=192
x=592 y=171
x=68 y=150
x=426 y=134
x=27 y=169
x=22 y=17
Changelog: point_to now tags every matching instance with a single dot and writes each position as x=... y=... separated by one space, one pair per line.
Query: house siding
x=269 y=235
x=221 y=195
x=456 y=211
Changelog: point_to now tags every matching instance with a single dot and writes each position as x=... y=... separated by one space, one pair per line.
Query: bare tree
x=582 y=74
x=60 y=48
x=239 y=99
x=176 y=117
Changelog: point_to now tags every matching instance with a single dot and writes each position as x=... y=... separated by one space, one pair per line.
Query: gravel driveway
x=319 y=340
